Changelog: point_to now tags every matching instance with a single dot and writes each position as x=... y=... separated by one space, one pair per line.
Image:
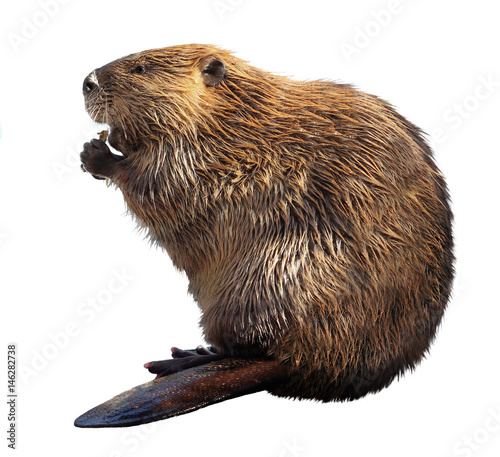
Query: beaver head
x=148 y=96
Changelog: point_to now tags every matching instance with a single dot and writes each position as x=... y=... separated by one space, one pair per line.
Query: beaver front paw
x=98 y=160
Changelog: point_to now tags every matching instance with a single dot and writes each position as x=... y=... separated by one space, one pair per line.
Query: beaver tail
x=184 y=391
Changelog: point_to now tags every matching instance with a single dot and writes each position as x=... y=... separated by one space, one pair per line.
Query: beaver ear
x=212 y=70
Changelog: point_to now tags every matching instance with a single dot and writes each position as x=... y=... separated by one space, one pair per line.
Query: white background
x=65 y=236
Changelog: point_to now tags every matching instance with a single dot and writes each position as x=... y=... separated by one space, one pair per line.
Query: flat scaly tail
x=184 y=391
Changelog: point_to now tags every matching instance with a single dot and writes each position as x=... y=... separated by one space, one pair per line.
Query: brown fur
x=309 y=217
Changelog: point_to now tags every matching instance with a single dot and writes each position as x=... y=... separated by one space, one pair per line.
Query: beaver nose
x=90 y=83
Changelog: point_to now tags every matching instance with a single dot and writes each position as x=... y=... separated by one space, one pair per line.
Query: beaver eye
x=139 y=70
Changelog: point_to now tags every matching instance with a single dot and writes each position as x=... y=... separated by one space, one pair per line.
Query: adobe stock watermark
x=455 y=116
x=131 y=440
x=292 y=449
x=71 y=161
x=31 y=26
x=460 y=288
x=87 y=311
x=371 y=29
x=471 y=443
x=223 y=7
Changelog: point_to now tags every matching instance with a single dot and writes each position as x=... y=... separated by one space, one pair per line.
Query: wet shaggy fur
x=309 y=217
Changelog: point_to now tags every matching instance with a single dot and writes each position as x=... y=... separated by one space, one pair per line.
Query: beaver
x=310 y=218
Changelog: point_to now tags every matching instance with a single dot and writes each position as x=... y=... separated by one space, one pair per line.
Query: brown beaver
x=309 y=217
